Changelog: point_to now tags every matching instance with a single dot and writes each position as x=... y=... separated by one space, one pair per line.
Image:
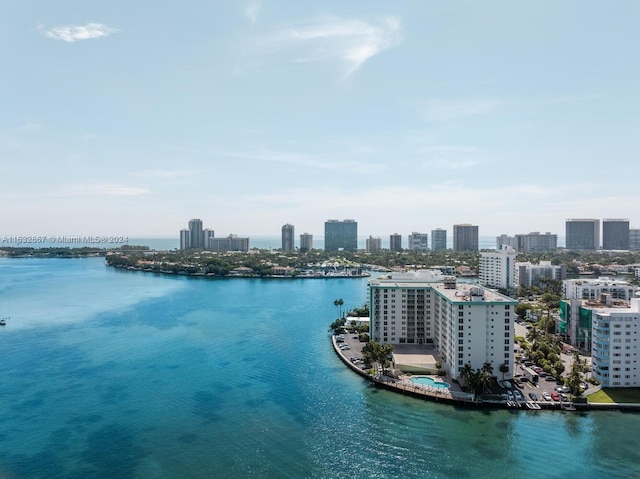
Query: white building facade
x=593 y=289
x=530 y=274
x=498 y=268
x=615 y=347
x=463 y=323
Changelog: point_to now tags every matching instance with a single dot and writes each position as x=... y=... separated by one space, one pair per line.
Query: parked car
x=518 y=395
x=533 y=396
x=546 y=396
x=564 y=397
x=555 y=396
x=562 y=389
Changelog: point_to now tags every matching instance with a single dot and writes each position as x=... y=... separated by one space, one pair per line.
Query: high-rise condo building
x=615 y=234
x=463 y=323
x=529 y=242
x=498 y=268
x=395 y=242
x=230 y=243
x=373 y=245
x=605 y=326
x=507 y=240
x=530 y=274
x=192 y=238
x=208 y=234
x=418 y=241
x=306 y=242
x=634 y=239
x=438 y=239
x=465 y=237
x=185 y=239
x=536 y=242
x=340 y=235
x=196 y=234
x=582 y=234
x=288 y=237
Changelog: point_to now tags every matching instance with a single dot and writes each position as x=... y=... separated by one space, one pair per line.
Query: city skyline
x=252 y=114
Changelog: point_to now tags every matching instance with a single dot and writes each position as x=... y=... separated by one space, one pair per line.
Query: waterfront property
x=459 y=323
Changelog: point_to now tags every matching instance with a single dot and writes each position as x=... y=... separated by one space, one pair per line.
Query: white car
x=546 y=396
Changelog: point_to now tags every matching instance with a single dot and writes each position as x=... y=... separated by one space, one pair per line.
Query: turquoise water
x=114 y=374
x=427 y=381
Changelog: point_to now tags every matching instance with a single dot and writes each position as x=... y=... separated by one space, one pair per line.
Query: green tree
x=504 y=369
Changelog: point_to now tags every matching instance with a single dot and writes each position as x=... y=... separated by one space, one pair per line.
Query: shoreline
x=403 y=386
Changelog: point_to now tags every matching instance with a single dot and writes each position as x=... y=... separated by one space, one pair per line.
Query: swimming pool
x=427 y=381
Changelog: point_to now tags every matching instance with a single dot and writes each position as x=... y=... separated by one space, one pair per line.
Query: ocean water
x=116 y=374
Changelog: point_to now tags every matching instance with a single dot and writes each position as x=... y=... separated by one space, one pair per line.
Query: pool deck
x=454 y=394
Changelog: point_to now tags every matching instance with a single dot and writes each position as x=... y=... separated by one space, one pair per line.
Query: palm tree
x=485 y=381
x=488 y=368
x=465 y=373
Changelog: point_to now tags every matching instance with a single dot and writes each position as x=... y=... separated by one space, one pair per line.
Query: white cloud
x=105 y=189
x=72 y=33
x=252 y=10
x=441 y=109
x=350 y=41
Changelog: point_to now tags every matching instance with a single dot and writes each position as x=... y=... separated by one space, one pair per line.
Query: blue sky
x=133 y=117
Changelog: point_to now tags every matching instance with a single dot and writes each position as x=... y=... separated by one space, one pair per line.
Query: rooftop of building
x=445 y=285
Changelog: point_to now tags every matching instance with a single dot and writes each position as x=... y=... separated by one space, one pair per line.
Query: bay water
x=115 y=374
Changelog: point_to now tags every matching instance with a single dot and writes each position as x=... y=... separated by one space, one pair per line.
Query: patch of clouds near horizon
x=73 y=33
x=349 y=41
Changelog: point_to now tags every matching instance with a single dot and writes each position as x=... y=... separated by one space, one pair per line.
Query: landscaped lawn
x=617 y=395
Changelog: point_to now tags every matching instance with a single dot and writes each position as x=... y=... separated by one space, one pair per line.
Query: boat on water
x=3 y=322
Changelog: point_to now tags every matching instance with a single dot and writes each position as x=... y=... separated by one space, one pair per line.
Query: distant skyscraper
x=505 y=239
x=306 y=242
x=615 y=234
x=465 y=237
x=288 y=237
x=208 y=234
x=230 y=243
x=418 y=241
x=582 y=234
x=340 y=235
x=634 y=239
x=185 y=239
x=438 y=239
x=373 y=245
x=395 y=242
x=537 y=242
x=196 y=234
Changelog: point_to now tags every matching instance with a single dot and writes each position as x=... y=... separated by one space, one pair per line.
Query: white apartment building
x=594 y=288
x=498 y=268
x=530 y=274
x=462 y=322
x=418 y=241
x=615 y=346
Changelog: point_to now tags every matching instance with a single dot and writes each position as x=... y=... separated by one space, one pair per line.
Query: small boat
x=3 y=322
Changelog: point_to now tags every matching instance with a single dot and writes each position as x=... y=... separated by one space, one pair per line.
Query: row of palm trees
x=478 y=381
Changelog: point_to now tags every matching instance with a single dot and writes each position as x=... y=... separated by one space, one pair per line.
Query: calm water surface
x=111 y=374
